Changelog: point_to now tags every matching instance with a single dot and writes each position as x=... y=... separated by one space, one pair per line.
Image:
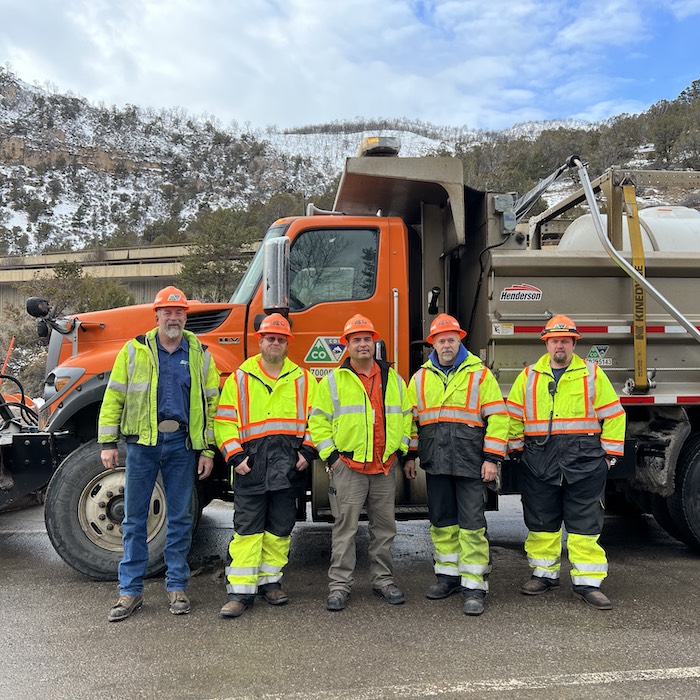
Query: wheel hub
x=101 y=510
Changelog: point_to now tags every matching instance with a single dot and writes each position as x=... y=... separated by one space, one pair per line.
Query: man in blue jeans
x=161 y=397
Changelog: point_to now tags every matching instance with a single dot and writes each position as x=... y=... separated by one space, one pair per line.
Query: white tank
x=671 y=229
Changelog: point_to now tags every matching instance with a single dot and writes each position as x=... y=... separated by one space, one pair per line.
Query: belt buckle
x=168 y=426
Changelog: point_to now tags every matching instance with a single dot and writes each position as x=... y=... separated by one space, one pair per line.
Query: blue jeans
x=177 y=465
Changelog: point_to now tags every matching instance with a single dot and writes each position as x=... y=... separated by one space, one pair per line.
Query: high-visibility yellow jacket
x=341 y=418
x=130 y=403
x=587 y=419
x=265 y=420
x=461 y=418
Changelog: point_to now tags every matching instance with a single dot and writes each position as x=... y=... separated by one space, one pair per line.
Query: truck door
x=333 y=274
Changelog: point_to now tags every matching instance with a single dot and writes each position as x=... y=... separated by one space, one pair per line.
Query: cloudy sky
x=477 y=63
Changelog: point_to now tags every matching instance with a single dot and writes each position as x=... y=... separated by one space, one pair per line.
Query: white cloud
x=591 y=26
x=682 y=9
x=293 y=62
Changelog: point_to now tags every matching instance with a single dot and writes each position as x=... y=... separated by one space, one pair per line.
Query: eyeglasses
x=274 y=339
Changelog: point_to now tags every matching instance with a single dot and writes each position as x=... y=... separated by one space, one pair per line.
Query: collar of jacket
x=384 y=368
x=149 y=340
x=469 y=362
x=252 y=366
x=462 y=355
x=383 y=365
x=577 y=367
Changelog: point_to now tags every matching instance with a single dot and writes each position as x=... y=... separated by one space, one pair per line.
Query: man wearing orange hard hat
x=567 y=427
x=261 y=430
x=360 y=424
x=461 y=437
x=173 y=435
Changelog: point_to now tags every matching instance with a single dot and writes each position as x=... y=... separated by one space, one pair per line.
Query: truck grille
x=206 y=321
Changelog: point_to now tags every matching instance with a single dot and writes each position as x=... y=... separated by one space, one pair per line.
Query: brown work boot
x=594 y=597
x=179 y=602
x=126 y=605
x=275 y=596
x=536 y=585
x=233 y=608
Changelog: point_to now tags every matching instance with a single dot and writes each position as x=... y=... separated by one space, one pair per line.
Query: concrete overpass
x=143 y=270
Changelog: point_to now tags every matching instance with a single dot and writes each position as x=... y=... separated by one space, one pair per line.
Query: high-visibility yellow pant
x=589 y=565
x=256 y=560
x=543 y=551
x=464 y=553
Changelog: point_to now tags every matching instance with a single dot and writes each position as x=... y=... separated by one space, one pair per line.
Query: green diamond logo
x=319 y=352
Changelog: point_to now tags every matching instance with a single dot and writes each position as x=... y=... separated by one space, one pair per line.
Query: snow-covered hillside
x=73 y=174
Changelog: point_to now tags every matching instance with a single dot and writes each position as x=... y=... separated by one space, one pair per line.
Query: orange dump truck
x=408 y=239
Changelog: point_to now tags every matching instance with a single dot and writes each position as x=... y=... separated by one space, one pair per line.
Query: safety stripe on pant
x=543 y=551
x=273 y=558
x=474 y=559
x=589 y=564
x=245 y=554
x=446 y=545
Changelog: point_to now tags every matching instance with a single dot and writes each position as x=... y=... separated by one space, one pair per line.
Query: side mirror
x=38 y=307
x=276 y=276
x=42 y=328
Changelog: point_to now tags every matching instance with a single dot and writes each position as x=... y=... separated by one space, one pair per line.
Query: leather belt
x=170 y=426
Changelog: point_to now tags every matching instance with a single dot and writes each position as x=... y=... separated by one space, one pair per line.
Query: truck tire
x=84 y=509
x=684 y=503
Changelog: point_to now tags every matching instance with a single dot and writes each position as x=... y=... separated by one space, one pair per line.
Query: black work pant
x=456 y=500
x=271 y=511
x=579 y=505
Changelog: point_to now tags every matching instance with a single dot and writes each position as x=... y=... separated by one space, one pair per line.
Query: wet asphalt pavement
x=56 y=643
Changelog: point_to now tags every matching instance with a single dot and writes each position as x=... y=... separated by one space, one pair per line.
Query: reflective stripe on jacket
x=130 y=405
x=341 y=418
x=266 y=420
x=588 y=420
x=461 y=418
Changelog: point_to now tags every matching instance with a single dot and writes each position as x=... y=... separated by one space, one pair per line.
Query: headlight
x=60 y=381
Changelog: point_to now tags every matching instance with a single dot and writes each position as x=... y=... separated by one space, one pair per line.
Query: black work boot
x=473 y=602
x=445 y=587
x=391 y=593
x=337 y=600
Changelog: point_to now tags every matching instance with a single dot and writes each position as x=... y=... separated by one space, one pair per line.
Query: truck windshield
x=247 y=286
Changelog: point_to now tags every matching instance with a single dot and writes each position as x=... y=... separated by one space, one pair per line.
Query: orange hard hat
x=358 y=324
x=275 y=324
x=170 y=296
x=444 y=323
x=560 y=326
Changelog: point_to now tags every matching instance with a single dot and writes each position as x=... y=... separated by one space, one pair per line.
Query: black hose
x=29 y=414
x=482 y=269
